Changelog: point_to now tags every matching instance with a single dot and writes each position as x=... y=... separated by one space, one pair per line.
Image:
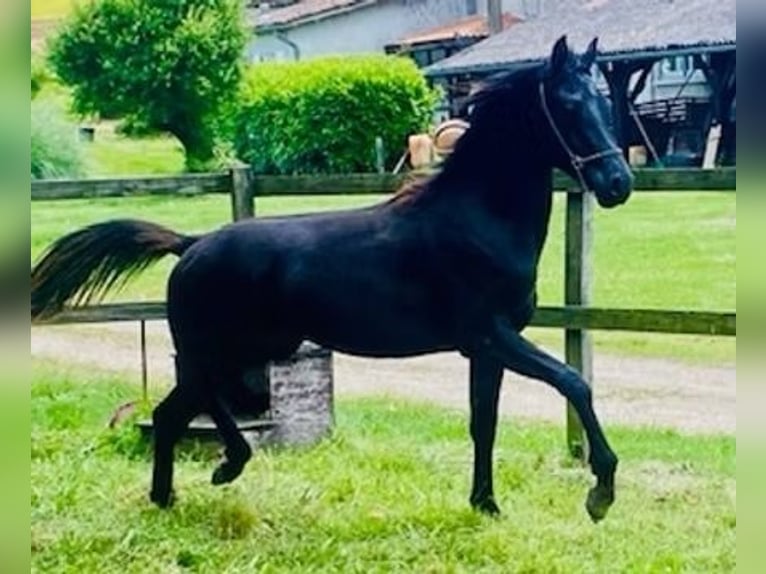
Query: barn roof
x=468 y=27
x=299 y=12
x=625 y=28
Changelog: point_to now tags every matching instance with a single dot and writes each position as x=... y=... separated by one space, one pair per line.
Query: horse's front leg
x=486 y=376
x=521 y=356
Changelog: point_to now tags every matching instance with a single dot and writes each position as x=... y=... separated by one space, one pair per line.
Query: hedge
x=323 y=115
x=55 y=150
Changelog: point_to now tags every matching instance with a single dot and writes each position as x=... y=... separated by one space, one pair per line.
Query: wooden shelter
x=429 y=46
x=633 y=38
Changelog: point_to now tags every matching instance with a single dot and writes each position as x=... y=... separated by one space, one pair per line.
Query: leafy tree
x=171 y=65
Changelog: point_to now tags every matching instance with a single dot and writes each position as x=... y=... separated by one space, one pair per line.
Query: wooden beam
x=639 y=320
x=192 y=184
x=242 y=192
x=676 y=179
x=669 y=179
x=640 y=85
x=594 y=318
x=685 y=179
x=203 y=428
x=722 y=179
x=578 y=271
x=617 y=76
x=144 y=360
x=494 y=16
x=109 y=313
x=343 y=184
x=682 y=179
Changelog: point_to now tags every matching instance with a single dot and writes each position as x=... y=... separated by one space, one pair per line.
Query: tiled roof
x=471 y=27
x=624 y=27
x=279 y=16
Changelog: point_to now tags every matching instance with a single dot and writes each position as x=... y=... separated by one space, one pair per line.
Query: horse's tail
x=85 y=264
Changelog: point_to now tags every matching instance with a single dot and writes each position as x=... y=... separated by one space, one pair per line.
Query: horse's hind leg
x=170 y=419
x=237 y=451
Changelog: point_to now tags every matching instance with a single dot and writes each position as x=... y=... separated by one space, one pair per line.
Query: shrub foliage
x=39 y=76
x=55 y=150
x=323 y=115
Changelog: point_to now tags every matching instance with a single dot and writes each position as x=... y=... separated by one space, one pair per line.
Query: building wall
x=366 y=29
x=674 y=77
x=670 y=78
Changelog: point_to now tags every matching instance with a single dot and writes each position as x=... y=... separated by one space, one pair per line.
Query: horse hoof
x=487 y=506
x=599 y=500
x=225 y=473
x=162 y=499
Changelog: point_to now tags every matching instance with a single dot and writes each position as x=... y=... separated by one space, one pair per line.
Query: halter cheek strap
x=578 y=162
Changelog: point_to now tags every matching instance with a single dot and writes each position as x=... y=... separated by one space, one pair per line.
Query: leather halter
x=578 y=162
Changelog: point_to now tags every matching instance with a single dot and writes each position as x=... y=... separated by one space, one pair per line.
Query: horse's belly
x=370 y=347
x=379 y=333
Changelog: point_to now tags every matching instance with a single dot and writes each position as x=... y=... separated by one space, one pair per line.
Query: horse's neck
x=508 y=185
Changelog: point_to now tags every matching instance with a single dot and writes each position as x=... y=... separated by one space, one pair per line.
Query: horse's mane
x=501 y=88
x=480 y=110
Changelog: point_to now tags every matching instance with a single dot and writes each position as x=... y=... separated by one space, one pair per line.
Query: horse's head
x=579 y=119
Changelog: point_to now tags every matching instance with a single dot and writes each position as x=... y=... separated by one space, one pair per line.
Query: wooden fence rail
x=723 y=179
x=576 y=317
x=567 y=317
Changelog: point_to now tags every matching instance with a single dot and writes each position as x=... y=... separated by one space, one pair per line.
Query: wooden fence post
x=144 y=362
x=380 y=155
x=243 y=207
x=577 y=277
x=242 y=192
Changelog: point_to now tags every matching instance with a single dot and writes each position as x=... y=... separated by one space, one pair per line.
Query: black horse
x=448 y=263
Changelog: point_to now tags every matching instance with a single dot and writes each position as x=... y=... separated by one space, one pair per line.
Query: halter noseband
x=578 y=162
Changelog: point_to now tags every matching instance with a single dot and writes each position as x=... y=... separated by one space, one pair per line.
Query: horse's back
x=346 y=280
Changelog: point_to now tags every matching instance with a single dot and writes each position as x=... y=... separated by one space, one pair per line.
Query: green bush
x=55 y=149
x=40 y=75
x=323 y=115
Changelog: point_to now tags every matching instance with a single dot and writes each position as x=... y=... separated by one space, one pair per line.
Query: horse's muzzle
x=617 y=192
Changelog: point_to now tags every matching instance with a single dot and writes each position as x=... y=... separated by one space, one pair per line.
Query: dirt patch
x=40 y=30
x=664 y=481
x=632 y=391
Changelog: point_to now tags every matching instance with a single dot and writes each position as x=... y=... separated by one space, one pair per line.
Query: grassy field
x=111 y=153
x=386 y=493
x=657 y=251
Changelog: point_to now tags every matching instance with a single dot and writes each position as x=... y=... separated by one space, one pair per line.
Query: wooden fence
x=577 y=317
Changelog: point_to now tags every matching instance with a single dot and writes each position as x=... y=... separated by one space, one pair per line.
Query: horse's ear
x=559 y=56
x=589 y=57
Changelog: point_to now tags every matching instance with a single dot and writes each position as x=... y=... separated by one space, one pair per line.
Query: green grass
x=386 y=493
x=111 y=154
x=657 y=251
